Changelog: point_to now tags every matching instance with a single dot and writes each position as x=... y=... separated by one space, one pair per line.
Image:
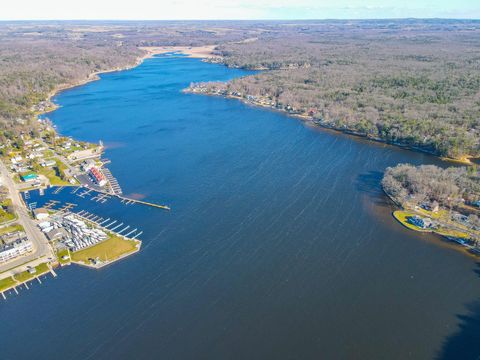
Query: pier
x=103 y=196
x=129 y=201
x=21 y=278
x=115 y=186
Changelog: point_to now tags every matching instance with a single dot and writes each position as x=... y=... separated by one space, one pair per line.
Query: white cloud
x=233 y=9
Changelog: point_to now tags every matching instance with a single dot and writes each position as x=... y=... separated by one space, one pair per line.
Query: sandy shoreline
x=202 y=52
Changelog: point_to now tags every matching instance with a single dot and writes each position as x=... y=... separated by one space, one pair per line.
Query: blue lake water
x=280 y=243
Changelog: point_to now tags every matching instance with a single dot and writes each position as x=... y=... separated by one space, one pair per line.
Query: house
x=17 y=159
x=433 y=206
x=49 y=163
x=420 y=222
x=41 y=213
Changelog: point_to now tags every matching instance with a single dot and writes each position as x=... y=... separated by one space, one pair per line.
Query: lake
x=280 y=243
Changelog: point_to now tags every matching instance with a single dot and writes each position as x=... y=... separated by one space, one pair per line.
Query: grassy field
x=108 y=250
x=61 y=254
x=52 y=174
x=25 y=276
x=4 y=214
x=7 y=283
x=402 y=216
x=11 y=228
x=441 y=214
x=453 y=233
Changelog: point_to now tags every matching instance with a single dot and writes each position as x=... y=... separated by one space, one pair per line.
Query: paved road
x=40 y=242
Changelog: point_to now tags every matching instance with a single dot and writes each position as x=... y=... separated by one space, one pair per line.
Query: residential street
x=40 y=243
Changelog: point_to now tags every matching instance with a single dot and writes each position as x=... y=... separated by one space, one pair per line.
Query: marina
x=82 y=231
x=103 y=197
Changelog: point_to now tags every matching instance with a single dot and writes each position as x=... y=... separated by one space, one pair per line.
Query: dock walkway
x=117 y=190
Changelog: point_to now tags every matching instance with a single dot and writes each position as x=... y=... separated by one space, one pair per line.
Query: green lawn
x=4 y=214
x=48 y=153
x=25 y=276
x=61 y=254
x=7 y=283
x=108 y=250
x=402 y=216
x=53 y=174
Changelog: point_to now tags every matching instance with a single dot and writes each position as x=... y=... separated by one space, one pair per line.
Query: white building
x=17 y=159
x=48 y=163
x=41 y=214
x=15 y=249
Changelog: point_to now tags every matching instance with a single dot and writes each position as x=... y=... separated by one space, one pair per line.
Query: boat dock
x=115 y=186
x=125 y=200
x=129 y=201
x=58 y=190
x=18 y=280
x=109 y=225
x=102 y=196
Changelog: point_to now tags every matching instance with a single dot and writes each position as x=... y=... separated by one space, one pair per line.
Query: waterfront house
x=420 y=222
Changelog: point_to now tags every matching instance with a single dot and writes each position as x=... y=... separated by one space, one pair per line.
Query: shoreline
x=90 y=78
x=310 y=121
x=199 y=52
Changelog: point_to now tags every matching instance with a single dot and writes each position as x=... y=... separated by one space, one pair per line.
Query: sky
x=234 y=9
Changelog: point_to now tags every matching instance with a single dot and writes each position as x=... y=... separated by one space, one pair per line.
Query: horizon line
x=253 y=19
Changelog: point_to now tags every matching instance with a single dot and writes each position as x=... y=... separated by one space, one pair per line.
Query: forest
x=449 y=188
